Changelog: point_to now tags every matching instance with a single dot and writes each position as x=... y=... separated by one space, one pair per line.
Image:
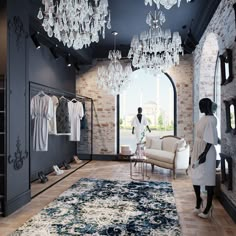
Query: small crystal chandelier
x=155 y=49
x=166 y=3
x=113 y=78
x=75 y=23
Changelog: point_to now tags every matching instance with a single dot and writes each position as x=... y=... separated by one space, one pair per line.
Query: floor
x=219 y=225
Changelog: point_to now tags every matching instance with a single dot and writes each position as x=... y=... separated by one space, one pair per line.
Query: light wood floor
x=219 y=225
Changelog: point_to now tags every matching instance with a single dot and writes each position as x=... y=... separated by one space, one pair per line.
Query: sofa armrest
x=182 y=158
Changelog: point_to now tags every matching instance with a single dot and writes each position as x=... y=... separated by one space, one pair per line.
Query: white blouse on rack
x=76 y=113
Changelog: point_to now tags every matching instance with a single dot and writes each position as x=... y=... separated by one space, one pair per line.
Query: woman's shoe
x=207 y=215
x=67 y=166
x=198 y=210
x=42 y=177
x=77 y=160
x=57 y=170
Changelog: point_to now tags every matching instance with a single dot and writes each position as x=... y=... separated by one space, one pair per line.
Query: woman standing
x=203 y=159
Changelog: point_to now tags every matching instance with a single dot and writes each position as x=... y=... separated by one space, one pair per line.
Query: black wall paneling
x=60 y=149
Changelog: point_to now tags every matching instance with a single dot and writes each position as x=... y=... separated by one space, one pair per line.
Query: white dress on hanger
x=206 y=132
x=41 y=112
x=76 y=113
x=53 y=121
x=139 y=127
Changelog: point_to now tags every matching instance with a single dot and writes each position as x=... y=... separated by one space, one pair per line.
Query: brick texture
x=219 y=35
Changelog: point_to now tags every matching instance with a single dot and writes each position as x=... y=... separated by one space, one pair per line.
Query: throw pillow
x=156 y=144
x=181 y=144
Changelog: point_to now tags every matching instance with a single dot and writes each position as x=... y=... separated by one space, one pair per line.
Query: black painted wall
x=44 y=69
x=17 y=191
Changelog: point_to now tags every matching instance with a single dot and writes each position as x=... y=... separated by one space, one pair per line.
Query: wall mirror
x=226 y=67
x=230 y=109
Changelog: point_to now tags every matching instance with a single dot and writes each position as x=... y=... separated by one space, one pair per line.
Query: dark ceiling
x=128 y=18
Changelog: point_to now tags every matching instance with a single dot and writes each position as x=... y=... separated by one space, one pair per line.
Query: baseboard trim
x=16 y=203
x=228 y=205
x=99 y=157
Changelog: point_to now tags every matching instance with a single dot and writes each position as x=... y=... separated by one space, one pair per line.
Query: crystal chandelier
x=166 y=3
x=75 y=23
x=113 y=78
x=155 y=49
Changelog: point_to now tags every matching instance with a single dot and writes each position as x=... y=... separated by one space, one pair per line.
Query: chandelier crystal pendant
x=114 y=77
x=75 y=23
x=155 y=49
x=165 y=3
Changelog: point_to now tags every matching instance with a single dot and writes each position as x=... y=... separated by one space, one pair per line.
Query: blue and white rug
x=104 y=207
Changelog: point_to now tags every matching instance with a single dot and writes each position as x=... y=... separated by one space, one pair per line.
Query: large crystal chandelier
x=75 y=23
x=113 y=78
x=166 y=3
x=155 y=49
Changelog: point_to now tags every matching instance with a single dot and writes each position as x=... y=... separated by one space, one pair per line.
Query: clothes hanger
x=74 y=100
x=41 y=93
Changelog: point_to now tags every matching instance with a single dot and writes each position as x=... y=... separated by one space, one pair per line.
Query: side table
x=138 y=168
x=125 y=157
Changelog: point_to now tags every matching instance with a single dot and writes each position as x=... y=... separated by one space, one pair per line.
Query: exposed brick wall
x=104 y=124
x=104 y=114
x=222 y=25
x=182 y=76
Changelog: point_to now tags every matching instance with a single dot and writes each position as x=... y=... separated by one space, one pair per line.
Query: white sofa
x=169 y=152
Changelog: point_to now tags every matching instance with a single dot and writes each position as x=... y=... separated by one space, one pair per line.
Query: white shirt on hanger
x=53 y=121
x=41 y=112
x=76 y=113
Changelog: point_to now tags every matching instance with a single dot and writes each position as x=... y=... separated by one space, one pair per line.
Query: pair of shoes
x=57 y=170
x=207 y=215
x=198 y=210
x=66 y=165
x=77 y=160
x=43 y=178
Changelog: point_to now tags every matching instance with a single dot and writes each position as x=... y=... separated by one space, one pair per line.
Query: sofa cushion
x=156 y=144
x=149 y=139
x=169 y=144
x=160 y=155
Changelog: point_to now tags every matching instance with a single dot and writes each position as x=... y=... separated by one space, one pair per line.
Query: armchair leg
x=152 y=167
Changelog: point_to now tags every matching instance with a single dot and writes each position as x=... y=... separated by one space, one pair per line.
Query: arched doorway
x=210 y=78
x=157 y=96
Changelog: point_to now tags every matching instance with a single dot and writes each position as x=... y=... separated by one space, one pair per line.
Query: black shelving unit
x=2 y=141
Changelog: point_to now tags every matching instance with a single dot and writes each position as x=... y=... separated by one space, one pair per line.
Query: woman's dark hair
x=205 y=105
x=140 y=110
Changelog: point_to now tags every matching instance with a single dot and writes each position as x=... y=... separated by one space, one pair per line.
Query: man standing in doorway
x=139 y=124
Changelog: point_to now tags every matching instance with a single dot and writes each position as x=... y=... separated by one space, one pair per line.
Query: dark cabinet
x=2 y=141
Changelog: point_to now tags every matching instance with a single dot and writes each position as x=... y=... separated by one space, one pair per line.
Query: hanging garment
x=62 y=116
x=41 y=111
x=206 y=132
x=76 y=113
x=84 y=123
x=139 y=127
x=53 y=121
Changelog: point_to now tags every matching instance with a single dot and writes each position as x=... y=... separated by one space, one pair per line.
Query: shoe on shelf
x=207 y=215
x=57 y=170
x=66 y=165
x=77 y=160
x=42 y=177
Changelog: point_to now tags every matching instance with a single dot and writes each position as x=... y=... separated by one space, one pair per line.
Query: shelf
x=2 y=175
x=2 y=132
x=1 y=196
x=2 y=111
x=37 y=187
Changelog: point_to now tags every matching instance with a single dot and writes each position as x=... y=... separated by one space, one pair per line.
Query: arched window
x=156 y=94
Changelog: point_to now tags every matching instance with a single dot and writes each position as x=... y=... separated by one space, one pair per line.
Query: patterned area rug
x=104 y=207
